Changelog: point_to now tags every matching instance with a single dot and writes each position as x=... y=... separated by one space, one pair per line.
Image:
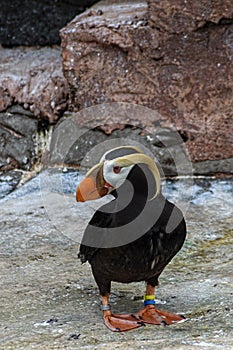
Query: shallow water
x=50 y=301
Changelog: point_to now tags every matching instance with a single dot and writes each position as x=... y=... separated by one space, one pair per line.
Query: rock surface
x=78 y=139
x=18 y=131
x=46 y=294
x=183 y=16
x=23 y=139
x=176 y=59
x=26 y=22
x=33 y=95
x=177 y=62
x=9 y=181
x=33 y=78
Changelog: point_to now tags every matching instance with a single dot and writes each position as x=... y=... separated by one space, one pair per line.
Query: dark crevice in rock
x=157 y=59
x=10 y=130
x=184 y=135
x=208 y=25
x=43 y=126
x=226 y=21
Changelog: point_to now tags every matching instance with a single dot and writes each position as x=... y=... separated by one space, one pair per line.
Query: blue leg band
x=149 y=302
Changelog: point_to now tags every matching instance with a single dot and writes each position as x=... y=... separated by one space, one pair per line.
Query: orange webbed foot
x=121 y=323
x=149 y=314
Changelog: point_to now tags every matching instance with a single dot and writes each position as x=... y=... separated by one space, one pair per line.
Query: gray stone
x=9 y=181
x=17 y=139
x=46 y=294
x=73 y=145
x=212 y=167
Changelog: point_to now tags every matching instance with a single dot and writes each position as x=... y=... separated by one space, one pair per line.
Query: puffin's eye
x=116 y=169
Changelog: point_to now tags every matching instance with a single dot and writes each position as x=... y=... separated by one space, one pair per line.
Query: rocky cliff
x=172 y=56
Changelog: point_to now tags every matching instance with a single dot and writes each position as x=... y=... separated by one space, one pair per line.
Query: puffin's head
x=112 y=171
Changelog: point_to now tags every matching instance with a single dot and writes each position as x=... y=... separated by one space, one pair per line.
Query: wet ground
x=48 y=300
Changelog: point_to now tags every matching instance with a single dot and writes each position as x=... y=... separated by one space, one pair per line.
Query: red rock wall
x=33 y=78
x=172 y=56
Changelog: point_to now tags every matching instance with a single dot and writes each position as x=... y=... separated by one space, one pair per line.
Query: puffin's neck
x=133 y=194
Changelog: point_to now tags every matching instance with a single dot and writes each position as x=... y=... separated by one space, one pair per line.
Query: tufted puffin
x=133 y=237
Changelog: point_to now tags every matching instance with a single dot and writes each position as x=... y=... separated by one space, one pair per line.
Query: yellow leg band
x=149 y=297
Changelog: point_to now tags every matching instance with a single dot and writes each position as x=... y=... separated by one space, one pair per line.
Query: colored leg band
x=105 y=307
x=149 y=297
x=149 y=302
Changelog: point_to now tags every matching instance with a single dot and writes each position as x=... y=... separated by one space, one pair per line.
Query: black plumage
x=143 y=259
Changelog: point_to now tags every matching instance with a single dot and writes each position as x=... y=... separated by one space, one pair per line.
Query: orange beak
x=88 y=190
x=93 y=186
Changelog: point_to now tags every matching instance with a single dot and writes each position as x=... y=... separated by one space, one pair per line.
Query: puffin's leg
x=118 y=323
x=149 y=314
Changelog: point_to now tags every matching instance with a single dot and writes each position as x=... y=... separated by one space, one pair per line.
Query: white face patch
x=113 y=178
